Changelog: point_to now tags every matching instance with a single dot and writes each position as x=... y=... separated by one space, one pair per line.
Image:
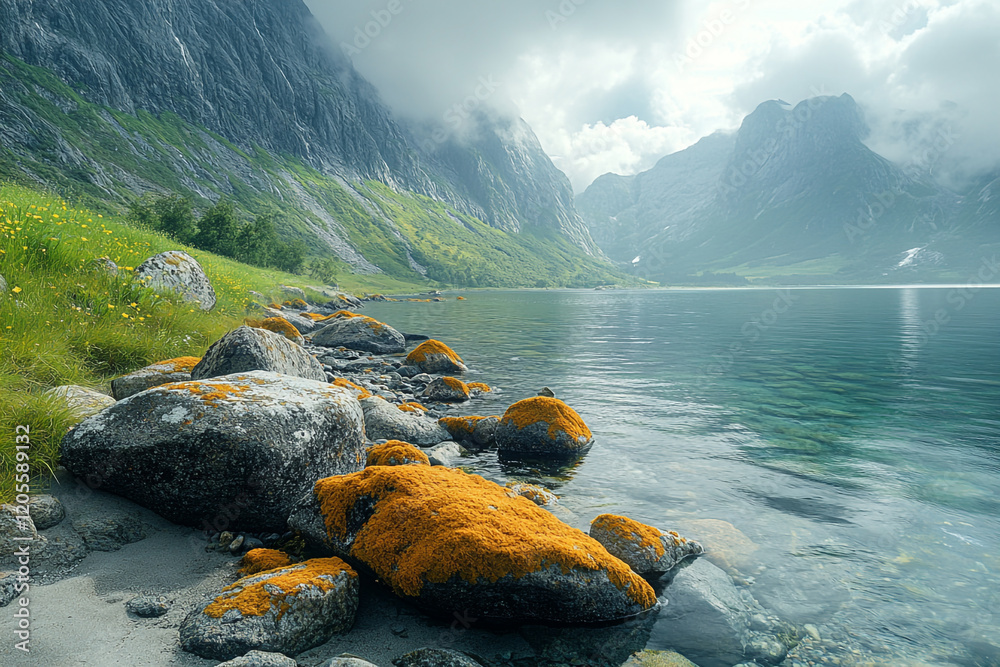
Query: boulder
x=179 y=272
x=347 y=660
x=288 y=292
x=260 y=659
x=105 y=265
x=658 y=659
x=644 y=548
x=446 y=390
x=46 y=511
x=543 y=427
x=433 y=356
x=230 y=451
x=110 y=531
x=464 y=428
x=448 y=540
x=148 y=606
x=304 y=325
x=81 y=401
x=248 y=349
x=485 y=432
x=385 y=421
x=288 y=611
x=163 y=372
x=445 y=454
x=395 y=453
x=280 y=326
x=436 y=657
x=360 y=333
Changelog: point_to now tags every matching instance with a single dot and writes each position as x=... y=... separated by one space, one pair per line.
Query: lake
x=851 y=436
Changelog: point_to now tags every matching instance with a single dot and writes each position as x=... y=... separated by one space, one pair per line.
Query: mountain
x=245 y=99
x=794 y=195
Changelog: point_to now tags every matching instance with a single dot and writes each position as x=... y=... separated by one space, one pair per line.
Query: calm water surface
x=851 y=435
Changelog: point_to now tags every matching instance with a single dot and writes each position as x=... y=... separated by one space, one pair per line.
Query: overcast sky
x=613 y=85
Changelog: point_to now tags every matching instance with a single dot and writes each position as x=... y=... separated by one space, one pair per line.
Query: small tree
x=290 y=256
x=256 y=241
x=324 y=270
x=170 y=214
x=218 y=229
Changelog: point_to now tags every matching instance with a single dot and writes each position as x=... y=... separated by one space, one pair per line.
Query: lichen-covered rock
x=304 y=325
x=464 y=428
x=395 y=453
x=385 y=421
x=82 y=401
x=360 y=333
x=285 y=611
x=485 y=432
x=179 y=272
x=448 y=540
x=260 y=659
x=658 y=659
x=46 y=511
x=280 y=326
x=237 y=450
x=446 y=390
x=646 y=549
x=544 y=427
x=543 y=498
x=436 y=657
x=290 y=292
x=262 y=560
x=478 y=388
x=433 y=356
x=357 y=390
x=248 y=349
x=163 y=372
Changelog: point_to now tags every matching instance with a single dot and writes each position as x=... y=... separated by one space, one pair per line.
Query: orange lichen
x=419 y=354
x=274 y=306
x=296 y=303
x=485 y=388
x=262 y=560
x=278 y=325
x=412 y=407
x=347 y=384
x=456 y=384
x=429 y=524
x=558 y=415
x=250 y=596
x=630 y=529
x=461 y=425
x=210 y=393
x=395 y=453
x=461 y=298
x=178 y=365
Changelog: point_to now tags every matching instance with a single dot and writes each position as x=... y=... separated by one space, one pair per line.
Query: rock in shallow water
x=287 y=611
x=433 y=356
x=646 y=549
x=435 y=657
x=446 y=390
x=385 y=421
x=230 y=450
x=542 y=427
x=448 y=540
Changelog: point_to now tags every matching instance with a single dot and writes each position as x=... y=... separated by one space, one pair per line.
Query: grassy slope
x=115 y=154
x=66 y=321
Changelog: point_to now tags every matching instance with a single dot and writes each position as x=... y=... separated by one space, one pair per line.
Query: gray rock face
x=224 y=453
x=435 y=657
x=260 y=659
x=46 y=511
x=8 y=588
x=540 y=570
x=164 y=372
x=248 y=349
x=292 y=292
x=446 y=390
x=286 y=611
x=82 y=401
x=446 y=454
x=110 y=532
x=646 y=549
x=148 y=606
x=14 y=524
x=385 y=421
x=485 y=432
x=360 y=333
x=304 y=325
x=345 y=660
x=179 y=272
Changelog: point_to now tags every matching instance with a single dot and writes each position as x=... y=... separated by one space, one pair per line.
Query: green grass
x=64 y=320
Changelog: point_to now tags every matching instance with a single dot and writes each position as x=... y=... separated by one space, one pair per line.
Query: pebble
x=236 y=545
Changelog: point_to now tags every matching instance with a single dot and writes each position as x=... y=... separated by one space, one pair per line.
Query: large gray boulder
x=360 y=333
x=646 y=549
x=83 y=402
x=249 y=349
x=178 y=272
x=385 y=421
x=288 y=611
x=260 y=659
x=231 y=452
x=436 y=657
x=162 y=372
x=507 y=559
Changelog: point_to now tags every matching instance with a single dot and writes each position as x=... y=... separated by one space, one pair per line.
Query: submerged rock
x=543 y=427
x=448 y=540
x=160 y=373
x=247 y=349
x=385 y=421
x=229 y=451
x=433 y=356
x=81 y=401
x=179 y=272
x=288 y=611
x=360 y=333
x=646 y=549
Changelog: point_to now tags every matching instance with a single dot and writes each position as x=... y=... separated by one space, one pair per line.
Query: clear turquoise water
x=852 y=435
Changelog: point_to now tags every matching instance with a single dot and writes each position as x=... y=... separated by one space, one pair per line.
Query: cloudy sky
x=615 y=85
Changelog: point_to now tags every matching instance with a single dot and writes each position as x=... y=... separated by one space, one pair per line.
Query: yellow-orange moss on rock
x=254 y=598
x=456 y=384
x=262 y=560
x=420 y=353
x=461 y=426
x=559 y=416
x=412 y=407
x=278 y=325
x=296 y=303
x=395 y=453
x=178 y=365
x=430 y=524
x=212 y=393
x=485 y=388
x=630 y=529
x=361 y=394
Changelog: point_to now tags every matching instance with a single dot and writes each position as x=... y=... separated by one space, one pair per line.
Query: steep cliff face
x=794 y=190
x=242 y=98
